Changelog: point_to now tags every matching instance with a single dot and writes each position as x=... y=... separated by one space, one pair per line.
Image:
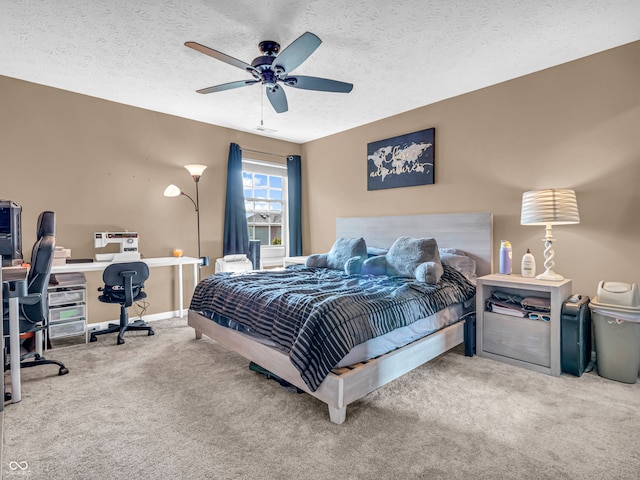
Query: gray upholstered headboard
x=471 y=232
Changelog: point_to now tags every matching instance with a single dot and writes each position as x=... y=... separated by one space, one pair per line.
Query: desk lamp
x=549 y=207
x=173 y=191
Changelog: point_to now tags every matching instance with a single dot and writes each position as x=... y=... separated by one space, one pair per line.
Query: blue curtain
x=294 y=177
x=236 y=231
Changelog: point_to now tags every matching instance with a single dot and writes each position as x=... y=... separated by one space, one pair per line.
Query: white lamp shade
x=549 y=207
x=195 y=170
x=172 y=191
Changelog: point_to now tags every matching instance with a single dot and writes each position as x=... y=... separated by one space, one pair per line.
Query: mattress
x=377 y=346
x=318 y=315
x=403 y=336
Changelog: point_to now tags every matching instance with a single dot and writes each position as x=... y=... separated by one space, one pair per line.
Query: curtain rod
x=264 y=153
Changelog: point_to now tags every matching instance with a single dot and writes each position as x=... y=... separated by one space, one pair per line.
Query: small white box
x=61 y=252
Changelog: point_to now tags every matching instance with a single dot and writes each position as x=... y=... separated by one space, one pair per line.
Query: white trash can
x=615 y=313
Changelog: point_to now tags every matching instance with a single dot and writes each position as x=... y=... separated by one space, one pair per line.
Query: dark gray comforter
x=317 y=315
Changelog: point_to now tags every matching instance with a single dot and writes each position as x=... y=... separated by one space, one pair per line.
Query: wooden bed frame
x=471 y=232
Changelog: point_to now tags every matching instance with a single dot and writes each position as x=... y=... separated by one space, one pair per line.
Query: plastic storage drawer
x=66 y=329
x=66 y=313
x=64 y=297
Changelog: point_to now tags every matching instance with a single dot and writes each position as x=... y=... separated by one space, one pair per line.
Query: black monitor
x=10 y=233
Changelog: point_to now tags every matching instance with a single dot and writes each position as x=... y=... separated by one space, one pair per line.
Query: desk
x=6 y=275
x=178 y=262
x=2 y=335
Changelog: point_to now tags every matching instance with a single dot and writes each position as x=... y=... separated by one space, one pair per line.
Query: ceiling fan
x=273 y=69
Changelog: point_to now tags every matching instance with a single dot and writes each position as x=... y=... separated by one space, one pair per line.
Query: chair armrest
x=31 y=299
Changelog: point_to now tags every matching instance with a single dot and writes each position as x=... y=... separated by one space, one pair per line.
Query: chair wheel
x=151 y=332
x=63 y=371
x=93 y=338
x=120 y=341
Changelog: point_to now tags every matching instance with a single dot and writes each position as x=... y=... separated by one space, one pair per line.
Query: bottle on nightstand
x=505 y=257
x=528 y=265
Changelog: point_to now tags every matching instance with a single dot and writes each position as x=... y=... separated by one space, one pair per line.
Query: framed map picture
x=403 y=161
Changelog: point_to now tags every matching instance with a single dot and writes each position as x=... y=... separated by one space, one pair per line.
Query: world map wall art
x=402 y=161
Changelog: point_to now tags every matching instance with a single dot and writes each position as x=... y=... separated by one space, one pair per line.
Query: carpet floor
x=172 y=407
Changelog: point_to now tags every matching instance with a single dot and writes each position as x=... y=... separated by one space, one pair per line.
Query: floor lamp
x=549 y=207
x=173 y=191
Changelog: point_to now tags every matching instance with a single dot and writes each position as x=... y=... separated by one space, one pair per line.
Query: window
x=265 y=201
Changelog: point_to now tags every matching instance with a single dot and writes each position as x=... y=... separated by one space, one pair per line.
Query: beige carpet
x=172 y=407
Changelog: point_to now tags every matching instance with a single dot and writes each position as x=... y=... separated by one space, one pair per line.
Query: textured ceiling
x=399 y=54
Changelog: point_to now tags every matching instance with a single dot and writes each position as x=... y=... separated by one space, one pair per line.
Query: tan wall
x=573 y=126
x=103 y=166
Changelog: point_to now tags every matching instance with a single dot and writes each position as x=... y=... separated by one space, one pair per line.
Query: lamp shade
x=549 y=207
x=172 y=191
x=195 y=170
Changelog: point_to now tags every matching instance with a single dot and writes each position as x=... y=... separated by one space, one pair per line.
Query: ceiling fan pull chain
x=262 y=107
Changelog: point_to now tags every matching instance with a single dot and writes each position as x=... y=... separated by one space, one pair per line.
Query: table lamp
x=173 y=191
x=549 y=207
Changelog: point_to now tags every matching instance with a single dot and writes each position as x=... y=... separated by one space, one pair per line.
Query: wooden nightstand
x=532 y=344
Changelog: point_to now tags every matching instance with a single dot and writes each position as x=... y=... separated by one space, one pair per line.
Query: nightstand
x=532 y=344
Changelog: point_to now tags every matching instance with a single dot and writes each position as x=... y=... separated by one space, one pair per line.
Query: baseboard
x=147 y=318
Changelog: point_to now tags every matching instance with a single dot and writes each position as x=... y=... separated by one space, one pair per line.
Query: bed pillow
x=376 y=251
x=454 y=251
x=353 y=266
x=375 y=265
x=462 y=263
x=316 y=260
x=429 y=272
x=408 y=253
x=344 y=249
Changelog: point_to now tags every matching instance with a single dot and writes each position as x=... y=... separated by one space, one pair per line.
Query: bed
x=345 y=382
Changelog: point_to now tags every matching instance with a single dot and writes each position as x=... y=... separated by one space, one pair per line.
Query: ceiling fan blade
x=277 y=98
x=297 y=52
x=227 y=86
x=315 y=83
x=223 y=57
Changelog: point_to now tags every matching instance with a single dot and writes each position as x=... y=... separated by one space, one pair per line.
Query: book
x=505 y=308
x=514 y=312
x=79 y=260
x=17 y=272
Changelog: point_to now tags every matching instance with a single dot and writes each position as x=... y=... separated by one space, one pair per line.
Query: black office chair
x=123 y=284
x=34 y=307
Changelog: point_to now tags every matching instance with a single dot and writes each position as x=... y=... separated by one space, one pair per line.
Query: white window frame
x=273 y=255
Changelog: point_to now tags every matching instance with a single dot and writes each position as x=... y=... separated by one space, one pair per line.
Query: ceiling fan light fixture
x=264 y=70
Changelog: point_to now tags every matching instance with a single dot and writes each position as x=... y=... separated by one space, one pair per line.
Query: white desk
x=178 y=262
x=13 y=273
